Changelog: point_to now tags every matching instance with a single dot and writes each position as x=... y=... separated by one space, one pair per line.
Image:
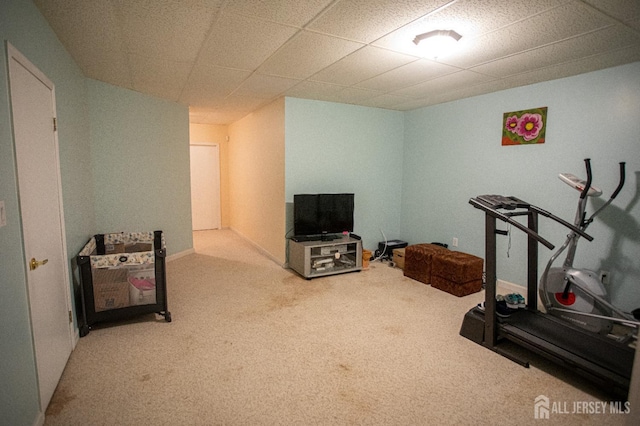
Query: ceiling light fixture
x=436 y=43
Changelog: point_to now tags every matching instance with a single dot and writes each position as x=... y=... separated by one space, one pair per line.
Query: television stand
x=318 y=258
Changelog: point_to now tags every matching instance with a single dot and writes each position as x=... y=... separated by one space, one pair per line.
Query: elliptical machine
x=578 y=295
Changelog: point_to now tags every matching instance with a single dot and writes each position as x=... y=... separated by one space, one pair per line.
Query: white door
x=205 y=187
x=36 y=145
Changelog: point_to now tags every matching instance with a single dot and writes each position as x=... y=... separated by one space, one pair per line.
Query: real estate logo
x=541 y=407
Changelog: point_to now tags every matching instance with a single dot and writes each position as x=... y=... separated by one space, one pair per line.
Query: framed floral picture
x=524 y=127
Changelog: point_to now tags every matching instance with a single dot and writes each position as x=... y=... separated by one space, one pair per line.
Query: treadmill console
x=502 y=202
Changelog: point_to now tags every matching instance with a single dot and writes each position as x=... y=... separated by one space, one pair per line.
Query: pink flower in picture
x=529 y=126
x=512 y=124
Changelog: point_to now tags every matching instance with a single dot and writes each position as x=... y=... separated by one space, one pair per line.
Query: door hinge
x=70 y=317
x=55 y=124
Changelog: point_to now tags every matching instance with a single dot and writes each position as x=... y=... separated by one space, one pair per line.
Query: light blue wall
x=345 y=148
x=453 y=152
x=157 y=199
x=140 y=160
x=22 y=25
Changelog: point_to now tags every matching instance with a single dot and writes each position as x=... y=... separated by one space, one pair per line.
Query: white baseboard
x=180 y=254
x=40 y=419
x=257 y=247
x=505 y=287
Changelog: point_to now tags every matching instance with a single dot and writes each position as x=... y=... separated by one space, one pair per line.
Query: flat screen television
x=322 y=214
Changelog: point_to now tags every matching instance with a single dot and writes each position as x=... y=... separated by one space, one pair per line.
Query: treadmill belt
x=600 y=350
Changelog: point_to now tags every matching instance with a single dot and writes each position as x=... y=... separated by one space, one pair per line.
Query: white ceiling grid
x=226 y=58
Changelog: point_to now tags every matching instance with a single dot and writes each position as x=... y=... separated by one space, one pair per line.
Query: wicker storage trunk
x=457 y=273
x=418 y=259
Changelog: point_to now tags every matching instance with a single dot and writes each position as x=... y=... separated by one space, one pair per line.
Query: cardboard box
x=398 y=257
x=385 y=248
x=110 y=289
x=114 y=248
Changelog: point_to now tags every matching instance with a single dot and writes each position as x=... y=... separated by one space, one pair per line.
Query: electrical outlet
x=455 y=242
x=3 y=214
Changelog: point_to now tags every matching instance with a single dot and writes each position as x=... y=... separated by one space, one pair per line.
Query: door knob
x=35 y=263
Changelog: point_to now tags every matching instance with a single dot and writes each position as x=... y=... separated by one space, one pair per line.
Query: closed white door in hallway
x=205 y=187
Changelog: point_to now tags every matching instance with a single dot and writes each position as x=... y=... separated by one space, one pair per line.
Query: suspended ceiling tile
x=207 y=83
x=568 y=50
x=306 y=54
x=216 y=116
x=407 y=75
x=173 y=30
x=622 y=10
x=386 y=101
x=580 y=66
x=353 y=95
x=167 y=79
x=635 y=24
x=211 y=103
x=198 y=116
x=367 y=20
x=470 y=18
x=83 y=31
x=205 y=101
x=112 y=69
x=105 y=65
x=313 y=90
x=198 y=111
x=361 y=65
x=414 y=104
x=526 y=41
x=243 y=103
x=79 y=25
x=264 y=86
x=296 y=13
x=468 y=91
x=256 y=39
x=561 y=23
x=443 y=84
x=232 y=102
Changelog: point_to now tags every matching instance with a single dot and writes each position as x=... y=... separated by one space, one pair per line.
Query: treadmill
x=599 y=358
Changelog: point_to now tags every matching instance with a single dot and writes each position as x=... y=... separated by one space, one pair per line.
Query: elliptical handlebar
x=621 y=183
x=585 y=190
x=614 y=195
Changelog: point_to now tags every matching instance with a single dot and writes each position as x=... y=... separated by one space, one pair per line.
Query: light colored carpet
x=252 y=343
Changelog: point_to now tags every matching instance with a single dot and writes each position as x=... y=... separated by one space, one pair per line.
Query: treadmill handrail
x=563 y=222
x=488 y=210
x=505 y=218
